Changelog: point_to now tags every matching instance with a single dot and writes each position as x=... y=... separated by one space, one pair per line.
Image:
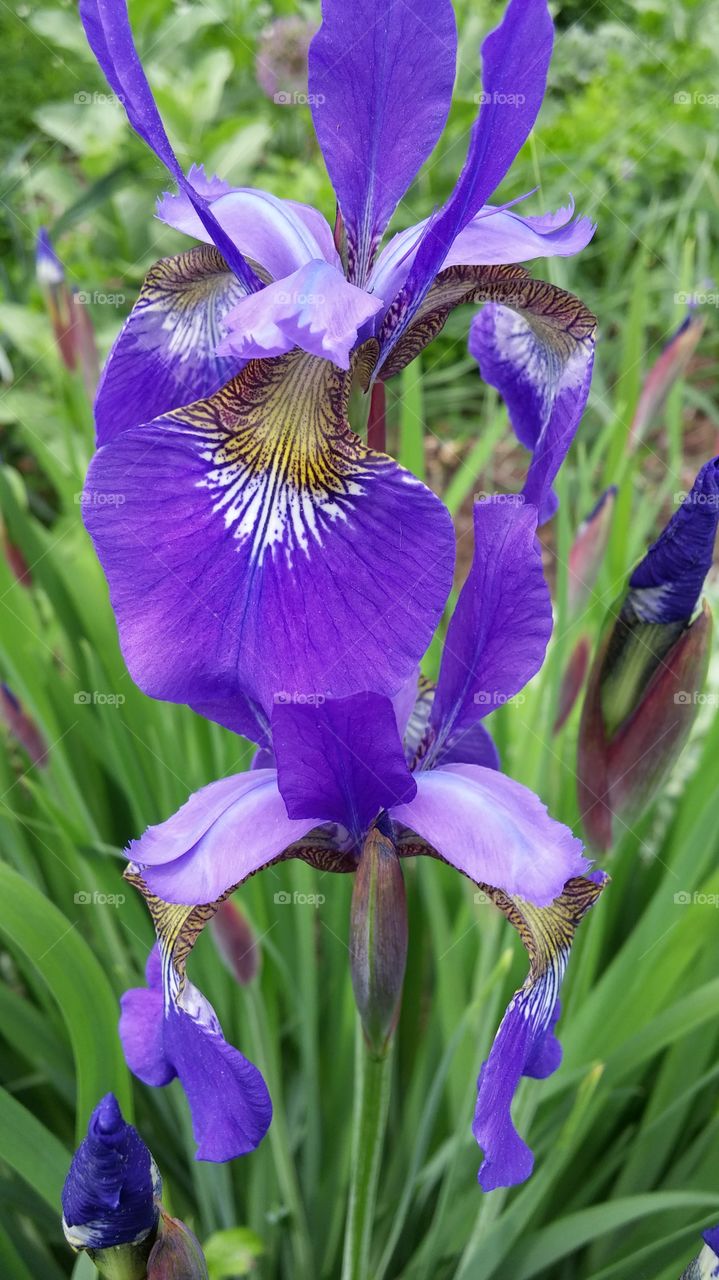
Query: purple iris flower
x=424 y=766
x=230 y=503
x=112 y=1190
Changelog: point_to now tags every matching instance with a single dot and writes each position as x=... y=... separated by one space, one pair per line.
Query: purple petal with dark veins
x=540 y=360
x=165 y=355
x=255 y=548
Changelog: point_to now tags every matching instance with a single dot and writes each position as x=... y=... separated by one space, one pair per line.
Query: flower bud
x=667 y=370
x=110 y=1197
x=588 y=550
x=572 y=681
x=236 y=942
x=378 y=939
x=22 y=727
x=649 y=669
x=58 y=299
x=176 y=1254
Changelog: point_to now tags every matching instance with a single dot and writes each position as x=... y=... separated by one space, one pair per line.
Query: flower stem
x=372 y=1088
x=377 y=421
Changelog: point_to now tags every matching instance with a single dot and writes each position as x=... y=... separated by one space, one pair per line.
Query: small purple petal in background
x=341 y=759
x=493 y=830
x=499 y=631
x=381 y=77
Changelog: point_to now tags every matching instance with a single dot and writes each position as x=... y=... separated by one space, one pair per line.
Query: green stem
x=372 y=1088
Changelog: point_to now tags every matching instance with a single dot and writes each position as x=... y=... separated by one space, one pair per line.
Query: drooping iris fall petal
x=256 y=548
x=165 y=354
x=525 y=1044
x=168 y=1030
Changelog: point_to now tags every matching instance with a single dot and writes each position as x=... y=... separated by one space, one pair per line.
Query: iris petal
x=381 y=77
x=499 y=631
x=492 y=829
x=107 y=27
x=280 y=235
x=314 y=309
x=525 y=1043
x=534 y=343
x=165 y=354
x=515 y=61
x=342 y=760
x=168 y=1029
x=256 y=549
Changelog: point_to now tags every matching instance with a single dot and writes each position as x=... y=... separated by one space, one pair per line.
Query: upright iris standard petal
x=169 y=1029
x=314 y=309
x=110 y=1193
x=342 y=759
x=224 y=833
x=109 y=35
x=525 y=1044
x=515 y=60
x=667 y=583
x=500 y=628
x=255 y=547
x=493 y=830
x=381 y=77
x=165 y=355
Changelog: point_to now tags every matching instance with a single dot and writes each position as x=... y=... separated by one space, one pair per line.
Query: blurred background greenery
x=627 y=1133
